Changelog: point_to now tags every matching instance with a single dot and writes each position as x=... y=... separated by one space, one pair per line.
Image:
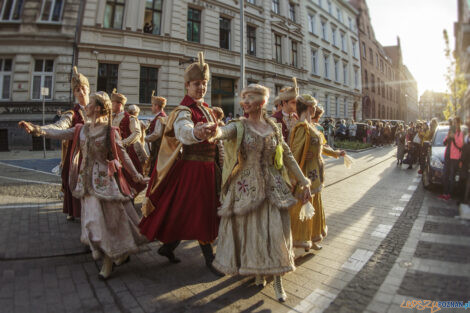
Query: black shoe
x=167 y=250
x=209 y=257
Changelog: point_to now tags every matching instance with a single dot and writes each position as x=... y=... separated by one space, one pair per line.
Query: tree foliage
x=455 y=79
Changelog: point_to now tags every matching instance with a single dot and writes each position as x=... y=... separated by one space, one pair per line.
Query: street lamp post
x=44 y=93
x=241 y=83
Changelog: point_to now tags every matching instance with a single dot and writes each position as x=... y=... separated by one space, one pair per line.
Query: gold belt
x=199 y=152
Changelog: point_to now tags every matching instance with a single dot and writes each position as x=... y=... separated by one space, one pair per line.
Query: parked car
x=434 y=162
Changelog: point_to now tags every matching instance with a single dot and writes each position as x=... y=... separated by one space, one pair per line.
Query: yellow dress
x=307 y=145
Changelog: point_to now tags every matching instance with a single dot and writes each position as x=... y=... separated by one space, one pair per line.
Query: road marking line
x=357 y=260
x=394 y=214
x=317 y=301
x=412 y=187
x=398 y=208
x=382 y=230
x=29 y=169
x=405 y=197
x=30 y=181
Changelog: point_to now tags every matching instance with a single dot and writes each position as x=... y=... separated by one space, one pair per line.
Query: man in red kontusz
x=81 y=92
x=287 y=116
x=155 y=130
x=182 y=198
x=129 y=127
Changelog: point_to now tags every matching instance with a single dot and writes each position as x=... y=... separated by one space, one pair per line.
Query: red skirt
x=185 y=204
x=138 y=187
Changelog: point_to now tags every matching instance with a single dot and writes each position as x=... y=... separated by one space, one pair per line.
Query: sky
x=419 y=24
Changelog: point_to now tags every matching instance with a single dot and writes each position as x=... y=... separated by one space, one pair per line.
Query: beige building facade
x=143 y=45
x=137 y=54
x=380 y=82
x=333 y=61
x=36 y=50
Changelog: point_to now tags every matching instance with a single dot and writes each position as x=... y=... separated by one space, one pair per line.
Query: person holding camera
x=454 y=145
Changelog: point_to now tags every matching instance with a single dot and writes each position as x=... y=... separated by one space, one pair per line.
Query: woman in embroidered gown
x=109 y=221
x=307 y=145
x=254 y=232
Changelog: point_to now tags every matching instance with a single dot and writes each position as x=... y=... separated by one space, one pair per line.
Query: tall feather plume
x=201 y=60
x=75 y=70
x=153 y=93
x=114 y=90
x=295 y=85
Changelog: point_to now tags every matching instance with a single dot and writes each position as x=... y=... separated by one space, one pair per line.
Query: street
x=389 y=241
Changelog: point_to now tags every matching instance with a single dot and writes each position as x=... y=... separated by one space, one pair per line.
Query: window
x=148 y=82
x=364 y=51
x=350 y=23
x=382 y=66
x=330 y=8
x=11 y=10
x=5 y=78
x=337 y=70
x=292 y=11
x=278 y=47
x=333 y=36
x=343 y=42
x=277 y=89
x=345 y=107
x=326 y=64
x=294 y=56
x=153 y=17
x=366 y=80
x=107 y=77
x=339 y=15
x=275 y=6
x=327 y=105
x=345 y=74
x=51 y=10
x=251 y=36
x=113 y=14
x=356 y=79
x=354 y=47
x=194 y=25
x=224 y=33
x=323 y=30
x=337 y=106
x=43 y=75
x=378 y=85
x=372 y=82
x=311 y=23
x=314 y=62
x=251 y=1
x=371 y=56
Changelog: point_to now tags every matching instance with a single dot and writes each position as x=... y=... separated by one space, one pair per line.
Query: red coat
x=279 y=119
x=186 y=200
x=71 y=205
x=126 y=132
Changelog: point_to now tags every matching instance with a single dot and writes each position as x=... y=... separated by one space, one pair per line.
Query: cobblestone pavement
x=375 y=238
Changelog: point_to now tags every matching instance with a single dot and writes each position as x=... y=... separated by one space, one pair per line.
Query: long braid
x=109 y=133
x=273 y=125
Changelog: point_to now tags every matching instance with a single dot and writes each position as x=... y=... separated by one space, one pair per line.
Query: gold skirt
x=306 y=232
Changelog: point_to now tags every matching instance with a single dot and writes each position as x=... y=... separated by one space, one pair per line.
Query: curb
x=360 y=150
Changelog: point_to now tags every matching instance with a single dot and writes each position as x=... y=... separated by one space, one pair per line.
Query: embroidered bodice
x=258 y=180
